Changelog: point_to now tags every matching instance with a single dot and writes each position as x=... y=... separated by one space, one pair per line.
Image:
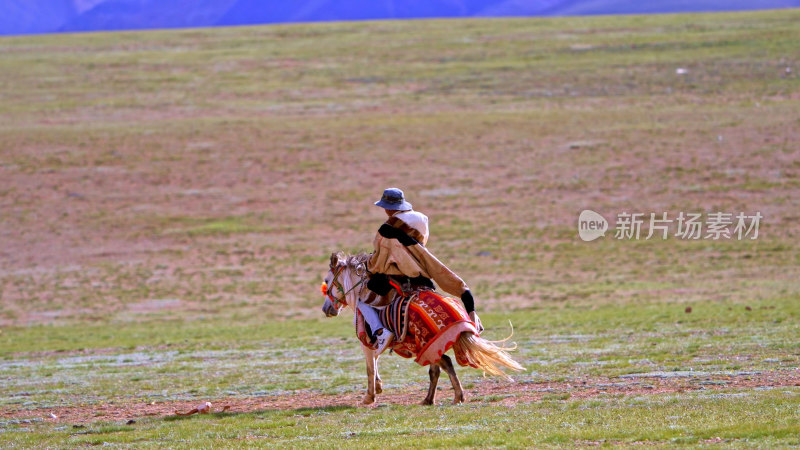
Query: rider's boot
x=384 y=339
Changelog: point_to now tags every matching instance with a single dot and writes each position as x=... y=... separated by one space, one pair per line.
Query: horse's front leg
x=378 y=381
x=371 y=372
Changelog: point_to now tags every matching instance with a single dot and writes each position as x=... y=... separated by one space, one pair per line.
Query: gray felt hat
x=393 y=199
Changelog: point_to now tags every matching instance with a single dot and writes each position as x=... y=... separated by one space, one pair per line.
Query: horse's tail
x=489 y=356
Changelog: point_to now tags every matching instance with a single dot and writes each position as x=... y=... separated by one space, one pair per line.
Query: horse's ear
x=334 y=260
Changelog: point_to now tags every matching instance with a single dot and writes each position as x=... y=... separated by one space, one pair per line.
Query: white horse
x=345 y=283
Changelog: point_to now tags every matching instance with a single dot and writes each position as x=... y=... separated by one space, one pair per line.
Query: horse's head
x=340 y=282
x=332 y=288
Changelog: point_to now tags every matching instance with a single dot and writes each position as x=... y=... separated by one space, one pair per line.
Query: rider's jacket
x=400 y=252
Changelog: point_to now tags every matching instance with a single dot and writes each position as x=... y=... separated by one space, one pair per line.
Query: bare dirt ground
x=490 y=392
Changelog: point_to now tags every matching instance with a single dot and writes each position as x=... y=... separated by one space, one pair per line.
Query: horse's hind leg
x=447 y=365
x=433 y=373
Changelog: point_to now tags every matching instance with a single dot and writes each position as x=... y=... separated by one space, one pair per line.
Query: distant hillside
x=595 y=7
x=46 y=16
x=35 y=16
x=143 y=14
x=256 y=11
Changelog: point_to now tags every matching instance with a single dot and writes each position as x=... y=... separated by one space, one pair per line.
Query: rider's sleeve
x=468 y=301
x=438 y=272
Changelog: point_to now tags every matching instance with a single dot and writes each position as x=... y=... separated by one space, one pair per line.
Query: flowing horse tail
x=488 y=355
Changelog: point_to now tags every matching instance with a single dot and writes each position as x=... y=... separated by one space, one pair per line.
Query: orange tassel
x=324 y=289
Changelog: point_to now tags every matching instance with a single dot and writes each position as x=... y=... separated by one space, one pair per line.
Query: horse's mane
x=351 y=261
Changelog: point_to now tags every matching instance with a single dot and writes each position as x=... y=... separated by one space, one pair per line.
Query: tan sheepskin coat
x=393 y=258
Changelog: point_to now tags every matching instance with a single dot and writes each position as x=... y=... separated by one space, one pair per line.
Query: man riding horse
x=402 y=263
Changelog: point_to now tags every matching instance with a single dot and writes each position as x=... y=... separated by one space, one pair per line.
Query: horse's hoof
x=426 y=402
x=459 y=400
x=367 y=401
x=378 y=389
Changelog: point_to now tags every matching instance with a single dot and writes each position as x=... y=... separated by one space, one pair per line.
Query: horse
x=435 y=325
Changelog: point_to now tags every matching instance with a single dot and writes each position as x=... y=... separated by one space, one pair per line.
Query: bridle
x=337 y=284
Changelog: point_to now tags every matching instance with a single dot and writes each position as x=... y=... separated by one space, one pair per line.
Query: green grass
x=715 y=341
x=170 y=199
x=217 y=227
x=767 y=418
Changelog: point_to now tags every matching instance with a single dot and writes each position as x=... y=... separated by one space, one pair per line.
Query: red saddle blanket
x=426 y=325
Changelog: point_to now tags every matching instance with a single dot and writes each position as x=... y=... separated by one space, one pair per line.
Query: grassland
x=168 y=201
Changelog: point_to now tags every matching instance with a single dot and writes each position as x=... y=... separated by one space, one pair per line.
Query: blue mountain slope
x=257 y=11
x=34 y=16
x=592 y=7
x=146 y=14
x=41 y=16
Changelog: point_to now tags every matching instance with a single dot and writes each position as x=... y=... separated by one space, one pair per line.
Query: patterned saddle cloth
x=425 y=324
